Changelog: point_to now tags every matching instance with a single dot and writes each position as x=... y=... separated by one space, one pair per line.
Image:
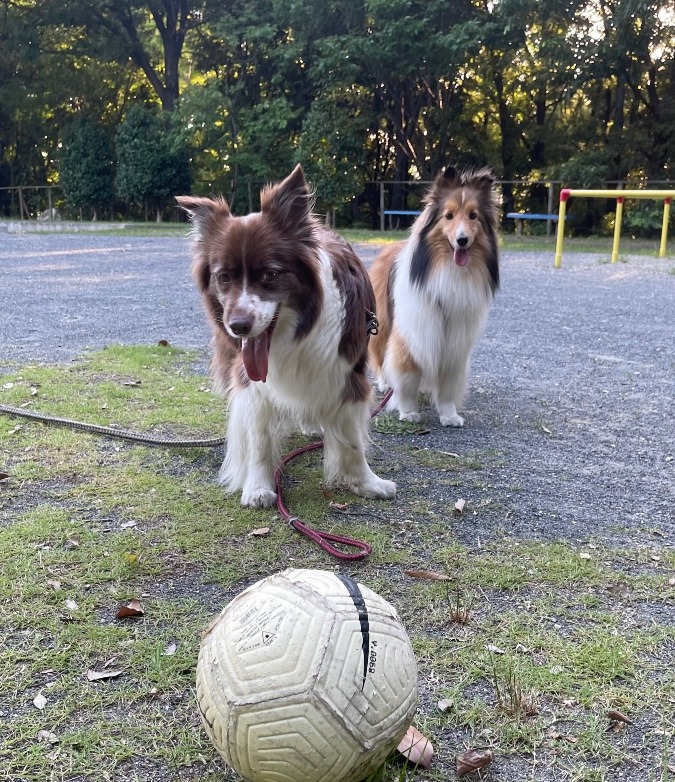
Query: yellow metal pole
x=664 y=227
x=617 y=229
x=564 y=195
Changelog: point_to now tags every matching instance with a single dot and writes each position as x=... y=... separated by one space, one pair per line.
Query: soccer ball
x=306 y=676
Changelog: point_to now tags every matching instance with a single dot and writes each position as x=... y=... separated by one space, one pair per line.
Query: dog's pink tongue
x=255 y=352
x=461 y=256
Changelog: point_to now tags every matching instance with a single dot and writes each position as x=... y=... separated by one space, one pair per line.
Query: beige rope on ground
x=111 y=431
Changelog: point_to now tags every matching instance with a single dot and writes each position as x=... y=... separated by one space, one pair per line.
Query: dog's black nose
x=240 y=326
x=462 y=241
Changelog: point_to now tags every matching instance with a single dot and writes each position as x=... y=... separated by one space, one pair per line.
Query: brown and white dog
x=433 y=294
x=290 y=306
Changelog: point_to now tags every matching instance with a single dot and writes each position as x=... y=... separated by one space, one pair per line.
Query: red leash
x=324 y=539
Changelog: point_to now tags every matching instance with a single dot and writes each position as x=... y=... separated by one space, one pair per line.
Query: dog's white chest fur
x=440 y=319
x=306 y=377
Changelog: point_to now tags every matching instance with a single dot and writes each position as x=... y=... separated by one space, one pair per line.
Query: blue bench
x=397 y=213
x=520 y=216
x=530 y=216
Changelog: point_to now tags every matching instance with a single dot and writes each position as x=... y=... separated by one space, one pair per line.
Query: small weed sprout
x=512 y=698
x=460 y=606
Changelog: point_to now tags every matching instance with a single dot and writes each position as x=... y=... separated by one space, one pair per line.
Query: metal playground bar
x=620 y=195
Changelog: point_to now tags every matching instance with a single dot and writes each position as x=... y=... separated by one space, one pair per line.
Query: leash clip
x=373 y=324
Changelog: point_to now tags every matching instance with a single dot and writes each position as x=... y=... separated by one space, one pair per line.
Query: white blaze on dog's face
x=250 y=297
x=247 y=312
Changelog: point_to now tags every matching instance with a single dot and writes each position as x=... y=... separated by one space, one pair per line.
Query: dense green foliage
x=358 y=90
x=87 y=170
x=148 y=170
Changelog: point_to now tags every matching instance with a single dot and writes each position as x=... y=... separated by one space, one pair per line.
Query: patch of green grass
x=449 y=461
x=365 y=236
x=577 y=244
x=389 y=423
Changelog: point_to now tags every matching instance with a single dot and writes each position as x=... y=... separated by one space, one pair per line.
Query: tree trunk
x=509 y=140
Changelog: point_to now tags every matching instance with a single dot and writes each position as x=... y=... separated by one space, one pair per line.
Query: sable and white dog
x=291 y=307
x=433 y=294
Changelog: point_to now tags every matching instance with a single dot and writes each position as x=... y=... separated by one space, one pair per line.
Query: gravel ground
x=572 y=384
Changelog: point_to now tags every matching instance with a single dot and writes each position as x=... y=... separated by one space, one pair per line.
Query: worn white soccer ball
x=306 y=676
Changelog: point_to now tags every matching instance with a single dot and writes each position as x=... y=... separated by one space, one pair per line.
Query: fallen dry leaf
x=671 y=581
x=472 y=760
x=494 y=649
x=95 y=676
x=39 y=701
x=554 y=736
x=614 y=714
x=127 y=524
x=53 y=583
x=416 y=747
x=131 y=382
x=132 y=608
x=72 y=542
x=259 y=533
x=4 y=476
x=459 y=507
x=446 y=704
x=584 y=555
x=170 y=649
x=48 y=736
x=338 y=505
x=427 y=575
x=71 y=605
x=655 y=558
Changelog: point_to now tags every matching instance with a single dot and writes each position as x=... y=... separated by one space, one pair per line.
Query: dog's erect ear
x=446 y=180
x=449 y=175
x=203 y=211
x=290 y=202
x=483 y=179
x=203 y=214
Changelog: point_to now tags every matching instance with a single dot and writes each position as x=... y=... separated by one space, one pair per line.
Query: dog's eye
x=269 y=276
x=472 y=215
x=449 y=216
x=223 y=278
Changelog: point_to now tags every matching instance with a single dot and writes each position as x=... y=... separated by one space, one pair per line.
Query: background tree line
x=127 y=102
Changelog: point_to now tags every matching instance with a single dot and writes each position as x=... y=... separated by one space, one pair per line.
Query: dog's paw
x=376 y=489
x=413 y=417
x=258 y=498
x=452 y=420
